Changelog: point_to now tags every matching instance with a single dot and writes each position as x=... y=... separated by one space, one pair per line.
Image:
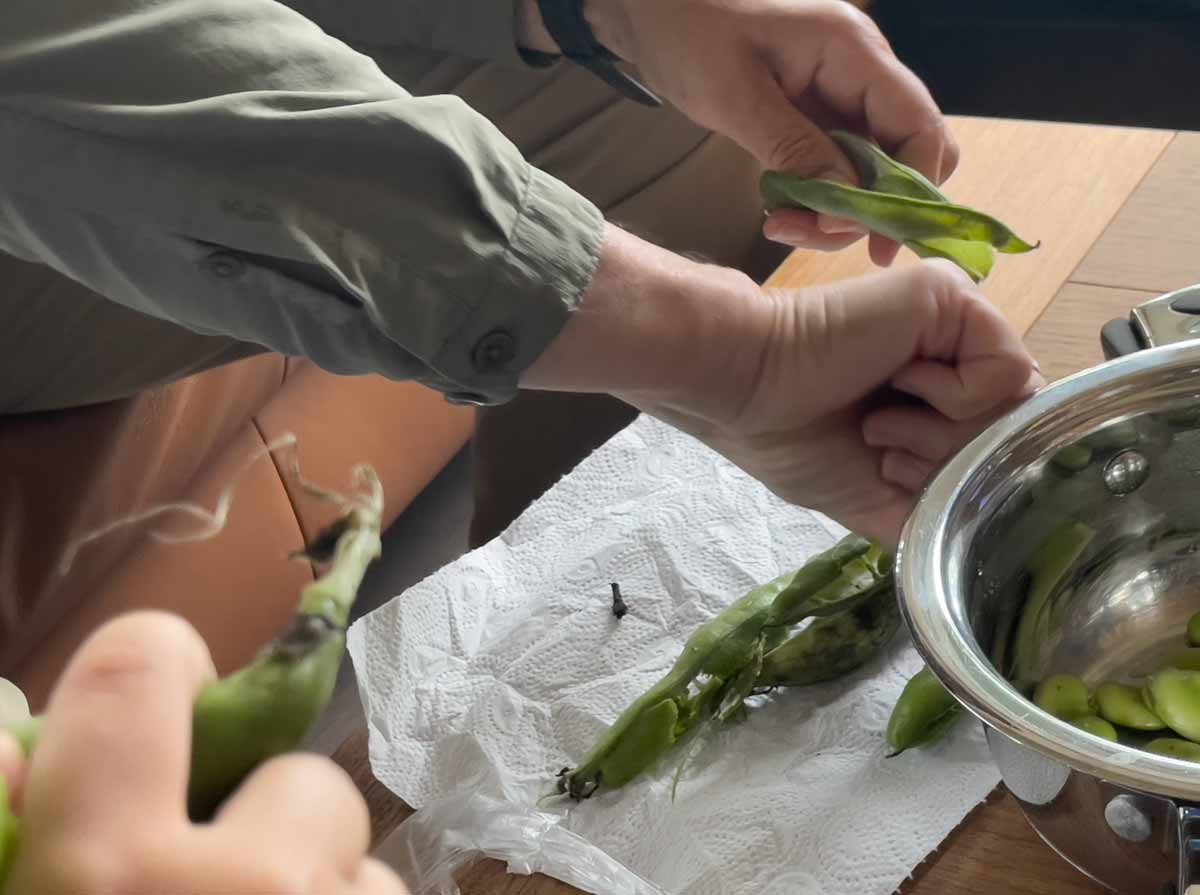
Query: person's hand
x=844 y=398
x=102 y=801
x=776 y=76
x=864 y=388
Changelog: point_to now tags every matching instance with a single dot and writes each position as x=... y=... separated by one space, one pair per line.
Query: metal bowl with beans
x=1050 y=575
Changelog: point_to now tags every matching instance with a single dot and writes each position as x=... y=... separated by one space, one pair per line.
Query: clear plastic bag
x=445 y=836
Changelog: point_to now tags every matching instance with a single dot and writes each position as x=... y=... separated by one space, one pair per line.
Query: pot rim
x=946 y=643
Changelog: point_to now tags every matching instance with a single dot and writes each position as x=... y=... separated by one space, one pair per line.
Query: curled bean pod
x=833 y=646
x=901 y=218
x=1123 y=705
x=880 y=173
x=830 y=582
x=976 y=258
x=723 y=645
x=923 y=714
x=900 y=203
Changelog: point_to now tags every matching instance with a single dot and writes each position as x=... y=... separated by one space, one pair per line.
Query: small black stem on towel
x=618 y=605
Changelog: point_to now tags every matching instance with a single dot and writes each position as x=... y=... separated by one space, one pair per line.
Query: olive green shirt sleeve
x=227 y=165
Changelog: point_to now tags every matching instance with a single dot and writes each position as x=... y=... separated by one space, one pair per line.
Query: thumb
x=783 y=138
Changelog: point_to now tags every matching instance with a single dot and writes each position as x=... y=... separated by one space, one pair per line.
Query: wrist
x=666 y=334
x=531 y=30
x=611 y=23
x=608 y=19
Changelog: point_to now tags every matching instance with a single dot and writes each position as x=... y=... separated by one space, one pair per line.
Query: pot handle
x=1173 y=317
x=1119 y=338
x=1189 y=850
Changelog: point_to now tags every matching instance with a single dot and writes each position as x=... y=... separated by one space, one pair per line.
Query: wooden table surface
x=1116 y=210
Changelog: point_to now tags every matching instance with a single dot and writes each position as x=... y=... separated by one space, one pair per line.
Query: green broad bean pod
x=1047 y=566
x=645 y=743
x=881 y=173
x=727 y=653
x=976 y=258
x=924 y=713
x=835 y=645
x=900 y=203
x=722 y=646
x=900 y=218
x=269 y=706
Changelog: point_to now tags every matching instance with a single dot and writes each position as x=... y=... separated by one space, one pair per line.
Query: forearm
x=660 y=331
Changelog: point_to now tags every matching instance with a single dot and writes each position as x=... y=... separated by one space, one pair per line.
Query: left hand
x=862 y=389
x=775 y=76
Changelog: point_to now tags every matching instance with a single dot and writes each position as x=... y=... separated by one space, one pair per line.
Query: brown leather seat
x=65 y=473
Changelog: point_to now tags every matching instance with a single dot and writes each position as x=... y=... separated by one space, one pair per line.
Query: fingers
x=969 y=359
x=861 y=79
x=376 y=878
x=920 y=432
x=916 y=441
x=802 y=229
x=117 y=735
x=905 y=470
x=883 y=251
x=779 y=135
x=302 y=805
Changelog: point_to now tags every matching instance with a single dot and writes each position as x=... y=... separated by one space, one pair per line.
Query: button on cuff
x=224 y=265
x=494 y=352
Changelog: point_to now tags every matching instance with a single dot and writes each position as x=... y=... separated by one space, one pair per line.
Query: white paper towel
x=485 y=679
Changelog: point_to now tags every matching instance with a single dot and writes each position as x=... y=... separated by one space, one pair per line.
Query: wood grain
x=1066 y=339
x=1058 y=183
x=995 y=850
x=1067 y=185
x=1154 y=243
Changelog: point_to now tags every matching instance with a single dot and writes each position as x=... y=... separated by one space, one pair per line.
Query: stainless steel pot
x=1125 y=817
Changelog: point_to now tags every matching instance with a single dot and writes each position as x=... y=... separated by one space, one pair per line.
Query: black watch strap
x=570 y=30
